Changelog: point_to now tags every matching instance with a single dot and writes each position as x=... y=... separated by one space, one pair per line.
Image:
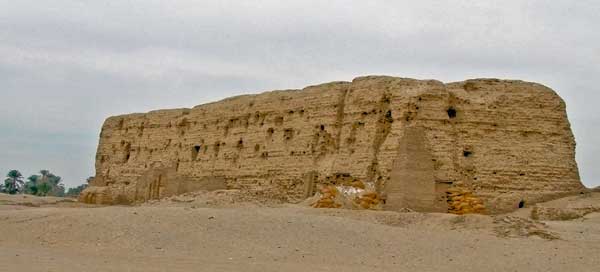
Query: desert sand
x=214 y=233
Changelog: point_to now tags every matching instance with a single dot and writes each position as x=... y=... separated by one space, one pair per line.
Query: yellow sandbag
x=358 y=184
x=479 y=207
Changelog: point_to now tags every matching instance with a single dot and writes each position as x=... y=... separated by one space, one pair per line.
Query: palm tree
x=49 y=184
x=45 y=174
x=13 y=182
x=33 y=178
x=74 y=192
x=43 y=189
x=43 y=183
x=55 y=179
x=31 y=185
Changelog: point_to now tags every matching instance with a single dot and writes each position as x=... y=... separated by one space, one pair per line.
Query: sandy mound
x=215 y=199
x=568 y=208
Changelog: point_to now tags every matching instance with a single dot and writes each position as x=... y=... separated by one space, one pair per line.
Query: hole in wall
x=256 y=117
x=386 y=99
x=350 y=140
x=288 y=134
x=121 y=123
x=128 y=152
x=218 y=147
x=467 y=153
x=451 y=112
x=279 y=120
x=388 y=116
x=195 y=150
x=521 y=204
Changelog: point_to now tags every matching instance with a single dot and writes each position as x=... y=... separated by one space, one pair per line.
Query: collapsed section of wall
x=507 y=142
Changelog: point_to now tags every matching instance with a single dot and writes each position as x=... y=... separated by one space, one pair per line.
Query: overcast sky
x=67 y=65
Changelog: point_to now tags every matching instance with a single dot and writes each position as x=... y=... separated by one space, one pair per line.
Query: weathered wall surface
x=506 y=141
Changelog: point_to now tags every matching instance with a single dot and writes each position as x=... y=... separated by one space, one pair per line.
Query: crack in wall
x=383 y=129
x=324 y=142
x=339 y=120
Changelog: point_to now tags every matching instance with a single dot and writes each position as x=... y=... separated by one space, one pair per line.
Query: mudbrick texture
x=508 y=143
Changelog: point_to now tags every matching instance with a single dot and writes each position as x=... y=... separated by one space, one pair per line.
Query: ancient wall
x=506 y=141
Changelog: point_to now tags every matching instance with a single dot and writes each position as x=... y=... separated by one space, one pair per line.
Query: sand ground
x=53 y=234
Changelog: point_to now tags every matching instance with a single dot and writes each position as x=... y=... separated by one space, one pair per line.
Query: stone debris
x=569 y=208
x=218 y=198
x=540 y=212
x=516 y=227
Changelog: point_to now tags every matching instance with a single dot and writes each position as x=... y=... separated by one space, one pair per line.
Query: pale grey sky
x=67 y=65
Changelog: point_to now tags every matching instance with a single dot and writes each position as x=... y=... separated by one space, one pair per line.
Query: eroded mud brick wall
x=506 y=141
